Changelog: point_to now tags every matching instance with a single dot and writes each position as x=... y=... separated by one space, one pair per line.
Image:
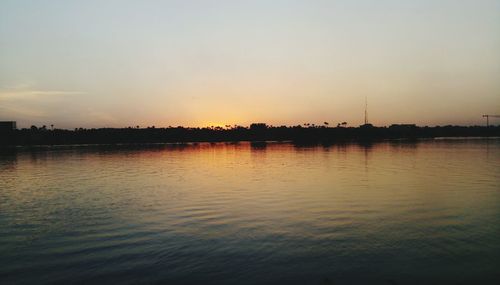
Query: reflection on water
x=241 y=213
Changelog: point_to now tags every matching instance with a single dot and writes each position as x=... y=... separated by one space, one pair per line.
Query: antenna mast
x=366 y=110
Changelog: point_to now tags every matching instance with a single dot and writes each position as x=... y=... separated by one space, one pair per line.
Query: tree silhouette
x=255 y=132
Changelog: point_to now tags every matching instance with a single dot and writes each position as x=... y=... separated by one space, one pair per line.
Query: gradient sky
x=197 y=63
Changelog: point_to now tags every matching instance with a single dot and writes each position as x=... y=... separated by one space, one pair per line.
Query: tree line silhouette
x=307 y=133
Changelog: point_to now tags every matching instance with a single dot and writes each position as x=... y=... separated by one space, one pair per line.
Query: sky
x=121 y=63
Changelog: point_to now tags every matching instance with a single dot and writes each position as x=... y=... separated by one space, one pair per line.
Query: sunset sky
x=198 y=63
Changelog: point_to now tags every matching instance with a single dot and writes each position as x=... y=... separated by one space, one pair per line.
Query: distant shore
x=256 y=132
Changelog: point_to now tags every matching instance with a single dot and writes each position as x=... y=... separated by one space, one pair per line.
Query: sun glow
x=216 y=125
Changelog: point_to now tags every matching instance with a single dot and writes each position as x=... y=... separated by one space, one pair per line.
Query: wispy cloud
x=34 y=94
x=30 y=104
x=23 y=112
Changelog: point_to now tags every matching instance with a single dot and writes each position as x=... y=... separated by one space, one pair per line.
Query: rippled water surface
x=387 y=213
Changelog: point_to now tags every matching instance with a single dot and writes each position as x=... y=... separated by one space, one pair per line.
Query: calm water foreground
x=387 y=213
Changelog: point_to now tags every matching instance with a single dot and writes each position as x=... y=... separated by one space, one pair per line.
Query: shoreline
x=254 y=133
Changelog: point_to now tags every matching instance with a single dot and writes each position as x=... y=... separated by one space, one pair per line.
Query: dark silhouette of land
x=256 y=132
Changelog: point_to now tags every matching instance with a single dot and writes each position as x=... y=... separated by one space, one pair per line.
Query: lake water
x=275 y=213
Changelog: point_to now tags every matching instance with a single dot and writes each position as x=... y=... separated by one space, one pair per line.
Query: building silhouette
x=6 y=126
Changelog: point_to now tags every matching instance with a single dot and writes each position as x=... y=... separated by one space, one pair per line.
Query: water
x=387 y=213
